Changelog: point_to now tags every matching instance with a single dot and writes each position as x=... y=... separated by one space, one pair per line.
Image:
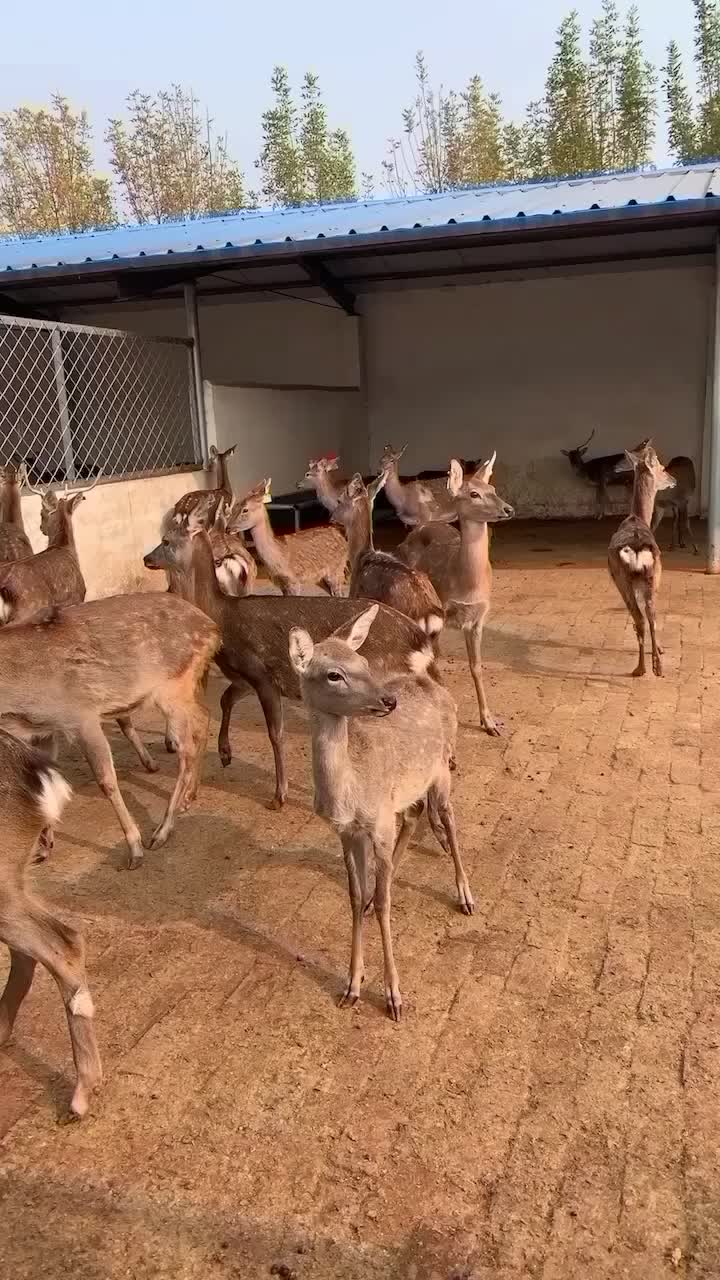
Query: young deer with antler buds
x=365 y=778
x=458 y=565
x=321 y=474
x=206 y=502
x=32 y=793
x=312 y=557
x=634 y=556
x=14 y=542
x=416 y=502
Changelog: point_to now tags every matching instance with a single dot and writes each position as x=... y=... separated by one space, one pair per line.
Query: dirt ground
x=549 y=1105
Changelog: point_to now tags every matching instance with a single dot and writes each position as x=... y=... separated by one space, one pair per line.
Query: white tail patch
x=82 y=1004
x=419 y=660
x=54 y=795
x=637 y=561
x=5 y=611
x=433 y=623
x=231 y=576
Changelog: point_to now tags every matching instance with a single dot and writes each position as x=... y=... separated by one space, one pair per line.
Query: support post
x=193 y=331
x=713 y=560
x=63 y=409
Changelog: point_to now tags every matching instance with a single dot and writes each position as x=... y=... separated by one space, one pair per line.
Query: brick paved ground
x=548 y=1108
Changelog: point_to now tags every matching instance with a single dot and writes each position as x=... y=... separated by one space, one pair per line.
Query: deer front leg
x=601 y=499
x=384 y=844
x=355 y=849
x=473 y=644
x=127 y=727
x=96 y=750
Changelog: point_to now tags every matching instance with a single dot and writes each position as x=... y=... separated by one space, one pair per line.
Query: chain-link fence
x=76 y=400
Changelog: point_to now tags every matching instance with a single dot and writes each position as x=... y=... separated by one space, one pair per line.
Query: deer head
x=390 y=457
x=56 y=507
x=575 y=456
x=249 y=511
x=336 y=679
x=644 y=460
x=474 y=496
x=174 y=551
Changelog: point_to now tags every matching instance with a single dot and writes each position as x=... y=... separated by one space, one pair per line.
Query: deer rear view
x=634 y=556
x=32 y=795
x=380 y=749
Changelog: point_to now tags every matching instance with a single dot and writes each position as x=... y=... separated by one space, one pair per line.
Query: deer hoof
x=276 y=803
x=639 y=671
x=467 y=906
x=348 y=997
x=170 y=747
x=150 y=765
x=136 y=857
x=490 y=727
x=393 y=1004
x=225 y=757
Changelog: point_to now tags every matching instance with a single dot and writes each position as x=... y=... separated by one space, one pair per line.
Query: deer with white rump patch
x=33 y=794
x=634 y=556
x=367 y=778
x=458 y=564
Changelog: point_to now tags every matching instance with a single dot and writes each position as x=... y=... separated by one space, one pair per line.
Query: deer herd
x=362 y=657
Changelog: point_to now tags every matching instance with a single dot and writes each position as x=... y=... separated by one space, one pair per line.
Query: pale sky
x=363 y=54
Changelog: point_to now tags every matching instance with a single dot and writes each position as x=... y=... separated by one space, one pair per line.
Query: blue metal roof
x=257 y=233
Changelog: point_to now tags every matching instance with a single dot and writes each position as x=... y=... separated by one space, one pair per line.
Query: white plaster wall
x=277 y=342
x=115 y=526
x=277 y=431
x=530 y=366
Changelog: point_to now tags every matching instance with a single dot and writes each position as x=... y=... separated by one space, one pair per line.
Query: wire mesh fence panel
x=76 y=400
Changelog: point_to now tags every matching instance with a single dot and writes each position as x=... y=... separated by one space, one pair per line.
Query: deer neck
x=199 y=585
x=10 y=506
x=359 y=532
x=473 y=571
x=332 y=771
x=393 y=486
x=62 y=534
x=643 y=498
x=325 y=490
x=269 y=549
x=223 y=480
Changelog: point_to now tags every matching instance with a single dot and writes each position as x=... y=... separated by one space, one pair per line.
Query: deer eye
x=474 y=493
x=335 y=676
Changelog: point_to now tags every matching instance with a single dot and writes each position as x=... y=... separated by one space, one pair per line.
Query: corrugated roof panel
x=247 y=230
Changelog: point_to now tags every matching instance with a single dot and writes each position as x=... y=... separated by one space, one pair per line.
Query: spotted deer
x=69 y=669
x=14 y=542
x=369 y=775
x=255 y=634
x=458 y=564
x=312 y=557
x=205 y=502
x=416 y=502
x=321 y=474
x=634 y=556
x=235 y=566
x=377 y=575
x=33 y=795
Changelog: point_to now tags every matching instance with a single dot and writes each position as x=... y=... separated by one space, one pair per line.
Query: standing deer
x=312 y=557
x=14 y=542
x=255 y=634
x=377 y=575
x=600 y=472
x=458 y=565
x=206 y=502
x=327 y=485
x=75 y=667
x=365 y=778
x=235 y=566
x=416 y=502
x=634 y=556
x=32 y=794
x=677 y=501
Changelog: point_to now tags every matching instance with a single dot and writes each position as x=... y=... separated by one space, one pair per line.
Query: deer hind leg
x=227 y=702
x=96 y=749
x=189 y=721
x=35 y=936
x=127 y=727
x=473 y=644
x=650 y=613
x=410 y=819
x=356 y=847
x=441 y=817
x=601 y=500
x=688 y=528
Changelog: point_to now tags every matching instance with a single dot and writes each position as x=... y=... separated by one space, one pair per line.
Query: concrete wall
x=277 y=431
x=115 y=526
x=268 y=342
x=531 y=366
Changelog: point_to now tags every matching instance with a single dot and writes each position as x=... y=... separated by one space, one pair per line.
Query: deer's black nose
x=508 y=511
x=389 y=700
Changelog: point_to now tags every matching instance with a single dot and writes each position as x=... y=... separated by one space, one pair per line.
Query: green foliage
x=47 y=183
x=682 y=134
x=694 y=128
x=168 y=163
x=302 y=159
x=637 y=103
x=568 y=105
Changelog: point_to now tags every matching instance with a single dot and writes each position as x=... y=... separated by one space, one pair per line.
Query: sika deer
x=235 y=567
x=33 y=793
x=312 y=557
x=376 y=575
x=458 y=565
x=14 y=542
x=416 y=502
x=366 y=777
x=206 y=502
x=255 y=634
x=677 y=501
x=90 y=662
x=634 y=556
x=600 y=472
x=326 y=485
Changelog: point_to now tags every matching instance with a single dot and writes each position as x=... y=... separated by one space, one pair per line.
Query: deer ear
x=376 y=485
x=356 y=486
x=455 y=478
x=212 y=453
x=301 y=649
x=358 y=632
x=331 y=463
x=631 y=457
x=74 y=501
x=485 y=470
